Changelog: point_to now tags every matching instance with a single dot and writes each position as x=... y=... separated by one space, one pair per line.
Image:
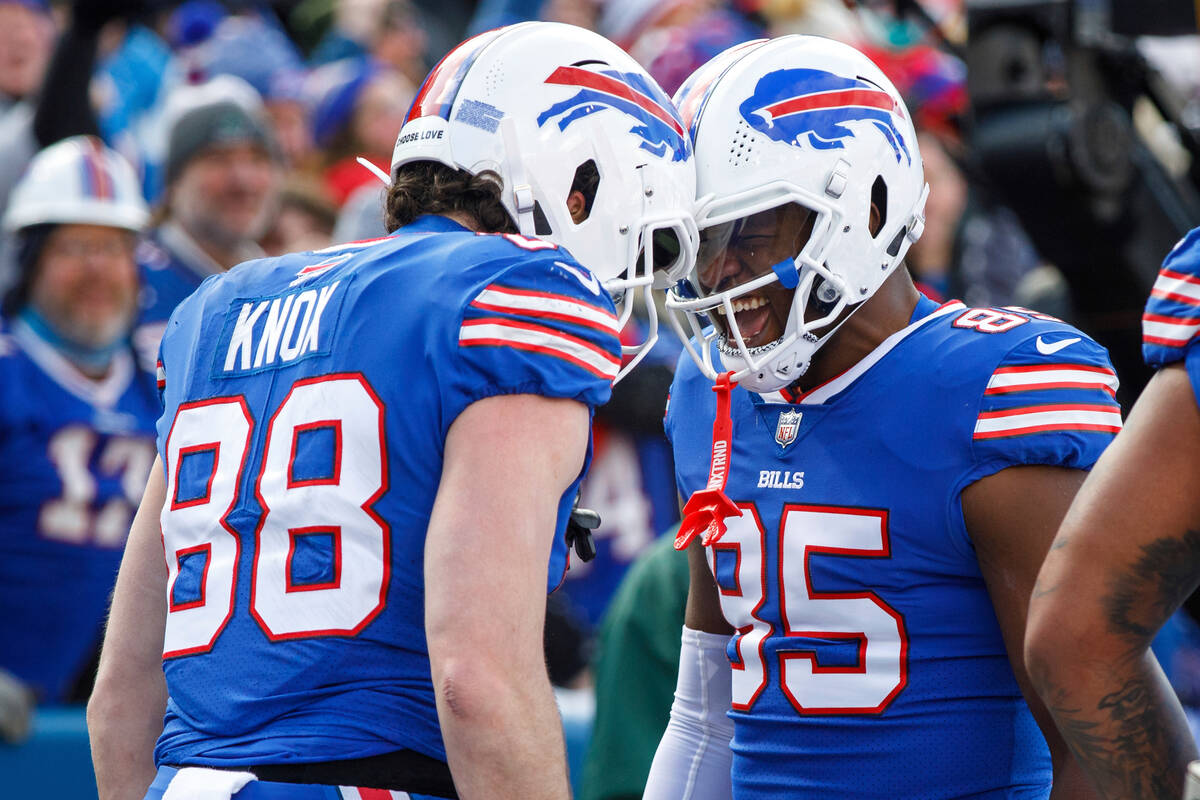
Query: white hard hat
x=77 y=180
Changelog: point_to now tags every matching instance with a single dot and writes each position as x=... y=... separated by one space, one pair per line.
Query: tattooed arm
x=1127 y=555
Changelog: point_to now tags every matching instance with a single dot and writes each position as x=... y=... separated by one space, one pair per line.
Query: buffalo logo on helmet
x=632 y=94
x=791 y=105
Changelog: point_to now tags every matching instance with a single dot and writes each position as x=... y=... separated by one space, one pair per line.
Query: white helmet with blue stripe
x=535 y=102
x=77 y=180
x=811 y=190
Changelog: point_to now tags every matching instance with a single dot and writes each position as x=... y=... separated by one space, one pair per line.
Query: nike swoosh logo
x=589 y=281
x=1053 y=347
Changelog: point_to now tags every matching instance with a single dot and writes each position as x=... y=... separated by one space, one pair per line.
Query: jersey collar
x=434 y=223
x=925 y=312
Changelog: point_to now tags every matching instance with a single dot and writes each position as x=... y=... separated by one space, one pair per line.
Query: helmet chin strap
x=522 y=192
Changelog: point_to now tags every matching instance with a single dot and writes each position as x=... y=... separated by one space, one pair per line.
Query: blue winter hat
x=254 y=51
x=336 y=104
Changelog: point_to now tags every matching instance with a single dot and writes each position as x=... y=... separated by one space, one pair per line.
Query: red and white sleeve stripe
x=1178 y=286
x=1007 y=380
x=501 y=331
x=1169 y=331
x=366 y=793
x=544 y=305
x=160 y=375
x=1025 y=420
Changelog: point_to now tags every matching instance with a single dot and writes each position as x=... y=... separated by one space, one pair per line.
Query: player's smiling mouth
x=753 y=316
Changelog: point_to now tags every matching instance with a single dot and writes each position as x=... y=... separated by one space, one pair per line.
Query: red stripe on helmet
x=95 y=176
x=575 y=76
x=441 y=85
x=869 y=98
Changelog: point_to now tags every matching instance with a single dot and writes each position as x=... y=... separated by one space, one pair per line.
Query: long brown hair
x=428 y=187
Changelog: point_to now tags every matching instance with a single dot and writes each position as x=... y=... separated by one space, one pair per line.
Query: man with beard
x=223 y=181
x=77 y=416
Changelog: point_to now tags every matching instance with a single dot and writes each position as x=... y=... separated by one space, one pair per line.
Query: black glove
x=579 y=531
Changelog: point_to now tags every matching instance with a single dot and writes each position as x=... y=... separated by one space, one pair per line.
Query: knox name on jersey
x=307 y=401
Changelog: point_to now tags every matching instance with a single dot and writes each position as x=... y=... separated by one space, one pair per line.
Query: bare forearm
x=504 y=741
x=123 y=730
x=1125 y=727
x=125 y=712
x=1071 y=782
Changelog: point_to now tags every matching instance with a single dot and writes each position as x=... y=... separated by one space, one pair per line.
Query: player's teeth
x=749 y=304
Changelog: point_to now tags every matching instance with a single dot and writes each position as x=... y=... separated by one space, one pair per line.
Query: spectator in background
x=392 y=32
x=26 y=39
x=77 y=417
x=931 y=258
x=640 y=26
x=354 y=118
x=223 y=181
x=682 y=50
x=358 y=115
x=260 y=53
x=401 y=42
x=973 y=247
x=136 y=72
x=304 y=221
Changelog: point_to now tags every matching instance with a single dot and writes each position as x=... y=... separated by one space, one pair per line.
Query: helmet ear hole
x=586 y=182
x=878 y=205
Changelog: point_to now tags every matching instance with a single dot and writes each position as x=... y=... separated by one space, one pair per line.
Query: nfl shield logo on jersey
x=788 y=427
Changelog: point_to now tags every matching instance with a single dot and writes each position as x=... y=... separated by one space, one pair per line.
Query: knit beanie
x=211 y=125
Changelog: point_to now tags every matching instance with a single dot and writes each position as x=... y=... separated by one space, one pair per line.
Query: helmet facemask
x=625 y=270
x=761 y=281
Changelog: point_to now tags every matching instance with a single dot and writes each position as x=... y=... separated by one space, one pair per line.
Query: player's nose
x=726 y=270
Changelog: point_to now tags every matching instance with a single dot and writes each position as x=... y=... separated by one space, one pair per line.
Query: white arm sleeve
x=693 y=758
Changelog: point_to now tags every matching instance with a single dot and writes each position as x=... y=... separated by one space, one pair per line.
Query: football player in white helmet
x=595 y=160
x=820 y=226
x=875 y=479
x=442 y=384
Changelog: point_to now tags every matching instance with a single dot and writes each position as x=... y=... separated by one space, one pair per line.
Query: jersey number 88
x=336 y=507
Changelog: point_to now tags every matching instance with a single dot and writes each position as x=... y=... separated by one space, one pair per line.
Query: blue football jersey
x=74 y=456
x=868 y=661
x=307 y=401
x=1171 y=322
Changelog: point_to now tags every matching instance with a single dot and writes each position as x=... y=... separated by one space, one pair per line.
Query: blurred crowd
x=219 y=131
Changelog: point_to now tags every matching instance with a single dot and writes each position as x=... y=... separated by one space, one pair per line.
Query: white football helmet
x=533 y=103
x=796 y=135
x=77 y=180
